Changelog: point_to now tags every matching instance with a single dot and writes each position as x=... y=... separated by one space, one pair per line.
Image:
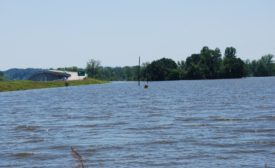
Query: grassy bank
x=25 y=85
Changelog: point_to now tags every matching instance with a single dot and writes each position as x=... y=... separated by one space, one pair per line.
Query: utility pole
x=139 y=71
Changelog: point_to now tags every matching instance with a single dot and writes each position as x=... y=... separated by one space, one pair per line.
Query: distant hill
x=20 y=74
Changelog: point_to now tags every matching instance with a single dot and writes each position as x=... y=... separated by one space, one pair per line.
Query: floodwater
x=206 y=123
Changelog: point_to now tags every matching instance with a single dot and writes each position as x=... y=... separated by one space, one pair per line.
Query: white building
x=72 y=75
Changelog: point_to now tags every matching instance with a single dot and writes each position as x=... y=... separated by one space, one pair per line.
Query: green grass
x=25 y=84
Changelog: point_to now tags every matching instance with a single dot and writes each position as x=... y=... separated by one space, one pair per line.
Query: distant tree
x=70 y=69
x=107 y=73
x=93 y=68
x=205 y=65
x=233 y=67
x=230 y=52
x=127 y=73
x=163 y=69
x=144 y=73
x=210 y=62
x=253 y=67
x=192 y=67
x=181 y=69
x=1 y=76
x=264 y=66
x=216 y=63
x=248 y=70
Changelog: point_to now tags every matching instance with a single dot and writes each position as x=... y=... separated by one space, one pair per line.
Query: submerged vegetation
x=25 y=84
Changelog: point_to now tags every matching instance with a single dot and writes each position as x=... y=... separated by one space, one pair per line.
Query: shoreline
x=6 y=86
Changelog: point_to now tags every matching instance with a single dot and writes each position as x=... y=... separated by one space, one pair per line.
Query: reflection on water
x=207 y=123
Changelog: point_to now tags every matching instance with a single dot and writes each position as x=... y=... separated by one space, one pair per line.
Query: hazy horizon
x=51 y=34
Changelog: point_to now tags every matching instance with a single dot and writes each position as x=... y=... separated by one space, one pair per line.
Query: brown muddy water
x=207 y=123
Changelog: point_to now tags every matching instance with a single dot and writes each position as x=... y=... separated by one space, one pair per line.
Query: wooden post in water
x=139 y=71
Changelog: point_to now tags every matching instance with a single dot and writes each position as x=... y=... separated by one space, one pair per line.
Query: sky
x=60 y=33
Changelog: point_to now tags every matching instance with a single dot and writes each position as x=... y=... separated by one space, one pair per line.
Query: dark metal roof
x=49 y=75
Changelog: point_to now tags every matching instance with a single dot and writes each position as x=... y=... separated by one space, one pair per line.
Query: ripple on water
x=33 y=140
x=265 y=117
x=151 y=128
x=255 y=130
x=58 y=147
x=246 y=151
x=30 y=128
x=22 y=155
x=223 y=119
x=216 y=144
x=162 y=142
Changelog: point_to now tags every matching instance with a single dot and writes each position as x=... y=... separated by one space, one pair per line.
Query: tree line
x=1 y=76
x=208 y=64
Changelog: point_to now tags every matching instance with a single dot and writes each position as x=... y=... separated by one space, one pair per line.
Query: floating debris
x=78 y=158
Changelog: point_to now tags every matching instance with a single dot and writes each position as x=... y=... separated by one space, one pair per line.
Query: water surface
x=207 y=123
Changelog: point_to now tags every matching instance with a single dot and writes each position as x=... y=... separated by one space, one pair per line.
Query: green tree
x=143 y=71
x=192 y=67
x=162 y=69
x=262 y=67
x=70 y=69
x=233 y=67
x=248 y=70
x=93 y=68
x=1 y=76
x=181 y=69
x=210 y=62
x=230 y=52
x=253 y=67
x=216 y=63
x=205 y=65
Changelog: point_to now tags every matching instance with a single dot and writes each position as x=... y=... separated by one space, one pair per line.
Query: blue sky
x=58 y=33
